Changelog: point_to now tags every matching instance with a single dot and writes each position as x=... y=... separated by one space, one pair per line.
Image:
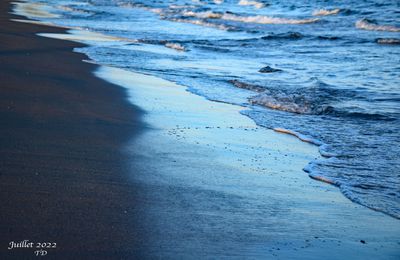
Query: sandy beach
x=113 y=164
x=61 y=134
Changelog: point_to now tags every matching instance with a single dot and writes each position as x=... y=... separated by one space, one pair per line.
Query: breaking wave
x=175 y=46
x=317 y=99
x=299 y=101
x=267 y=19
x=280 y=101
x=204 y=23
x=256 y=4
x=366 y=24
x=172 y=45
x=203 y=15
x=259 y=19
x=325 y=12
x=393 y=41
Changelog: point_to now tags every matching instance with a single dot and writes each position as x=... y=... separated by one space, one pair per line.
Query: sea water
x=324 y=71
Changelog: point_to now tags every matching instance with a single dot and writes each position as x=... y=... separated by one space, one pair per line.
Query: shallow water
x=333 y=75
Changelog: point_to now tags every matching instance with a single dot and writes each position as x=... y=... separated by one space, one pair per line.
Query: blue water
x=337 y=80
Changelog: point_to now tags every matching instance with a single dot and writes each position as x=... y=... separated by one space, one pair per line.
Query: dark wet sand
x=62 y=176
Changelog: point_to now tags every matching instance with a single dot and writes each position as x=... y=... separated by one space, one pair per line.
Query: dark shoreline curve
x=62 y=176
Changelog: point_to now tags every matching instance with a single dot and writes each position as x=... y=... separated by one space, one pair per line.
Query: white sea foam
x=181 y=6
x=388 y=41
x=267 y=19
x=298 y=135
x=141 y=6
x=323 y=150
x=175 y=46
x=203 y=15
x=248 y=19
x=323 y=179
x=252 y=3
x=203 y=23
x=33 y=10
x=325 y=12
x=365 y=24
x=74 y=10
x=198 y=2
x=154 y=10
x=282 y=103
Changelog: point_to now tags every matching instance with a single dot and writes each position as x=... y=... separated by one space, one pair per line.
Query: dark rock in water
x=268 y=69
x=362 y=241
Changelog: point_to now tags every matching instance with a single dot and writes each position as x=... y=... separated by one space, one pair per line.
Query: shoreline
x=62 y=177
x=195 y=200
x=222 y=186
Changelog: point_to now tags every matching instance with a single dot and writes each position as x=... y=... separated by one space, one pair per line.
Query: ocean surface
x=325 y=71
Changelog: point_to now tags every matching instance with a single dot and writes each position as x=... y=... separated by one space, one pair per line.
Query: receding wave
x=321 y=178
x=298 y=135
x=325 y=12
x=366 y=24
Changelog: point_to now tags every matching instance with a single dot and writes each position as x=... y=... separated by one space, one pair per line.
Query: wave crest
x=325 y=12
x=175 y=46
x=203 y=15
x=312 y=100
x=288 y=35
x=366 y=24
x=388 y=41
x=294 y=103
x=256 y=4
x=260 y=19
x=204 y=23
